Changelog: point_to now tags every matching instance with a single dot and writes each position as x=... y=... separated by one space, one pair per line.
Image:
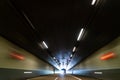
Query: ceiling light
x=45 y=45
x=74 y=49
x=80 y=34
x=71 y=55
x=54 y=58
x=93 y=2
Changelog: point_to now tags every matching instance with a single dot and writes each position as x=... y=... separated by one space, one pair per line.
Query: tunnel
x=59 y=40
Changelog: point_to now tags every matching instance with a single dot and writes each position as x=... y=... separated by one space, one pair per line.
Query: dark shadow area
x=108 y=74
x=16 y=74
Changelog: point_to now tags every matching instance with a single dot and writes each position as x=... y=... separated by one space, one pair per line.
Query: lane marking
x=76 y=77
x=97 y=72
x=56 y=78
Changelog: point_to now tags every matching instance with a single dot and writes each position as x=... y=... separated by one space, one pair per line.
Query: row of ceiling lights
x=82 y=31
x=44 y=45
x=79 y=36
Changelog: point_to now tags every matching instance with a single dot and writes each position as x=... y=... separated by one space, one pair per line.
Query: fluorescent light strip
x=71 y=55
x=27 y=72
x=45 y=44
x=28 y=20
x=93 y=2
x=80 y=34
x=54 y=58
x=74 y=49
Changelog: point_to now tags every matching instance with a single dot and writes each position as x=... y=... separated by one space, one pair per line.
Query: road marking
x=76 y=77
x=97 y=72
x=56 y=78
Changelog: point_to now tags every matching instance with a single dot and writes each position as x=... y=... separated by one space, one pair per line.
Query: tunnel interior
x=77 y=39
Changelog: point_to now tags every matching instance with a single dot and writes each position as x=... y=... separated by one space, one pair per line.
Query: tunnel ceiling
x=58 y=23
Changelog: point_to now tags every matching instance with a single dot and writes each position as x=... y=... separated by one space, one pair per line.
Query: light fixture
x=80 y=34
x=107 y=56
x=71 y=55
x=93 y=2
x=54 y=58
x=26 y=72
x=74 y=48
x=45 y=45
x=17 y=56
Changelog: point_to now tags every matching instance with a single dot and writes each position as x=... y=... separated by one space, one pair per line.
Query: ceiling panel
x=29 y=22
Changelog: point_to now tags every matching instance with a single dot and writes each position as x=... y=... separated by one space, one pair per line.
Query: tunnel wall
x=11 y=68
x=94 y=66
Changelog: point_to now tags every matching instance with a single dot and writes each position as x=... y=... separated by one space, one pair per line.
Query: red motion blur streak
x=107 y=56
x=17 y=56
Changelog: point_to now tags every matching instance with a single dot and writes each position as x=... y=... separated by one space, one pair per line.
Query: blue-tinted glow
x=54 y=58
x=71 y=55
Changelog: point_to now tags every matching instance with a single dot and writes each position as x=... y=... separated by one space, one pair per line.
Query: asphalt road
x=61 y=77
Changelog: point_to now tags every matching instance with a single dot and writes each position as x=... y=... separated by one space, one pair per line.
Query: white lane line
x=76 y=77
x=56 y=78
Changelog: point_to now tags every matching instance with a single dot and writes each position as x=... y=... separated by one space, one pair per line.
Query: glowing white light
x=45 y=45
x=74 y=49
x=27 y=72
x=61 y=66
x=62 y=72
x=80 y=34
x=54 y=58
x=58 y=67
x=71 y=55
x=93 y=2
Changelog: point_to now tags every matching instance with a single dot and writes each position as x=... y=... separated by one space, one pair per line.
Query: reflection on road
x=61 y=77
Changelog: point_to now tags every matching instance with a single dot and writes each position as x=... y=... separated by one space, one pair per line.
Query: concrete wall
x=30 y=63
x=94 y=62
x=104 y=68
